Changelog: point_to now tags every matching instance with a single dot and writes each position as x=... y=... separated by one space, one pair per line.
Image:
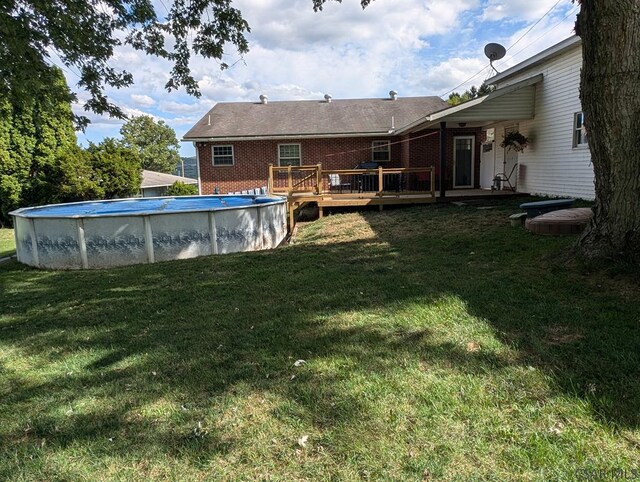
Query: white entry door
x=463 y=161
x=487 y=165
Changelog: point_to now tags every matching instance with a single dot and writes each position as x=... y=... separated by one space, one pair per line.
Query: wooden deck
x=362 y=187
x=350 y=187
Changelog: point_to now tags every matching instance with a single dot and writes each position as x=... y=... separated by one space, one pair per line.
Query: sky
x=415 y=47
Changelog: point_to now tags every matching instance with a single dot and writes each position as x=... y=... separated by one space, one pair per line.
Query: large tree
x=82 y=35
x=610 y=32
x=116 y=168
x=34 y=136
x=155 y=143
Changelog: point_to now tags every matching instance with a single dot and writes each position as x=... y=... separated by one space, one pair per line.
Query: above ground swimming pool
x=101 y=234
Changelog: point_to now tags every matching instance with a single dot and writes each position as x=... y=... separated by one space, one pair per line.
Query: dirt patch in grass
x=560 y=335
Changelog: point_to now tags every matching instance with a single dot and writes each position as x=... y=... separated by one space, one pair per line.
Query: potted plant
x=516 y=141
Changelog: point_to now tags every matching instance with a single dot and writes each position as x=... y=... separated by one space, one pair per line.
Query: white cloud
x=417 y=47
x=142 y=99
x=496 y=10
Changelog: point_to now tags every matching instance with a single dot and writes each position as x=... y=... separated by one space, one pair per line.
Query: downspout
x=195 y=144
x=443 y=159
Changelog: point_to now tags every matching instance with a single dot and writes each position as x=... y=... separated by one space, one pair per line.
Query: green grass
x=440 y=344
x=7 y=242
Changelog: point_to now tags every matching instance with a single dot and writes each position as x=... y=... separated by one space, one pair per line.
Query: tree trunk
x=610 y=79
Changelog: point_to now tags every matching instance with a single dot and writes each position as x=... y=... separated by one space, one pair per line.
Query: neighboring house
x=235 y=142
x=156 y=183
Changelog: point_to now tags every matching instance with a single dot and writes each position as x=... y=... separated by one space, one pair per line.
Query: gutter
x=287 y=136
x=192 y=182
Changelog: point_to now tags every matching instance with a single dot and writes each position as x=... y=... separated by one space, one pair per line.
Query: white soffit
x=514 y=102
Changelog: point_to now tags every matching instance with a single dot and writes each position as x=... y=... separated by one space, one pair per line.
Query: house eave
x=288 y=136
x=464 y=112
x=193 y=181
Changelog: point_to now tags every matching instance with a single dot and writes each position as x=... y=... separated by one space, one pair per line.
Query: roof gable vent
x=393 y=95
x=263 y=99
x=327 y=98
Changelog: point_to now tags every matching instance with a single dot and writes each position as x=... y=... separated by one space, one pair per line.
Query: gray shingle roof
x=310 y=117
x=158 y=179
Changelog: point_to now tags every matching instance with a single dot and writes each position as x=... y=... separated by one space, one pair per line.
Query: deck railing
x=295 y=180
x=292 y=179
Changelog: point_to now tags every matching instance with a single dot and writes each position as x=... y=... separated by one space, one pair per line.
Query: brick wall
x=252 y=158
x=425 y=151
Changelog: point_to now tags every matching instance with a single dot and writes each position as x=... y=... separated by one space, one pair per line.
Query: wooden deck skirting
x=351 y=187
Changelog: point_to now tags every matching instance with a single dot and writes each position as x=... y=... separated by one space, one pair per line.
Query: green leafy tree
x=116 y=168
x=10 y=197
x=70 y=178
x=179 y=188
x=34 y=135
x=155 y=143
x=456 y=98
x=84 y=35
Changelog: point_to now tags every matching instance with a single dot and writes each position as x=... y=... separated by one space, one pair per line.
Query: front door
x=463 y=161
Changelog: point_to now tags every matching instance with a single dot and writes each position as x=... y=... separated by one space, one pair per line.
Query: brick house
x=235 y=142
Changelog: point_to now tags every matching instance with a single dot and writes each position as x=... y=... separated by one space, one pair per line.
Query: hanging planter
x=515 y=141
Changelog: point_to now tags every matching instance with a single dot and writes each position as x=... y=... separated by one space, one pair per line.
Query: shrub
x=179 y=188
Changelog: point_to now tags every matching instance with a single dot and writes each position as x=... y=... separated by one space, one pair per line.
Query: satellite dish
x=494 y=52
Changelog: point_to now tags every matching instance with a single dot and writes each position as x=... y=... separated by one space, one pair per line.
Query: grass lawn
x=7 y=242
x=438 y=343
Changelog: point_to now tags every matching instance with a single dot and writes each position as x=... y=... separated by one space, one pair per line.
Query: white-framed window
x=380 y=151
x=222 y=155
x=579 y=130
x=289 y=155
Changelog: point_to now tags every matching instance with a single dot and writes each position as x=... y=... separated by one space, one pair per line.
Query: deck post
x=319 y=182
x=270 y=182
x=289 y=180
x=443 y=158
x=380 y=181
x=291 y=215
x=433 y=183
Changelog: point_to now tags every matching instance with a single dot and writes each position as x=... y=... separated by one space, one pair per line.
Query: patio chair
x=336 y=183
x=501 y=180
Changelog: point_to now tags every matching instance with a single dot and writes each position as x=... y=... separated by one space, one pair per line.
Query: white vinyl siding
x=289 y=155
x=550 y=165
x=222 y=155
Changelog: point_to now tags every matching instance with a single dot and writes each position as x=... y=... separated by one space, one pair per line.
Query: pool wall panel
x=24 y=241
x=115 y=241
x=273 y=225
x=57 y=241
x=180 y=236
x=237 y=230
